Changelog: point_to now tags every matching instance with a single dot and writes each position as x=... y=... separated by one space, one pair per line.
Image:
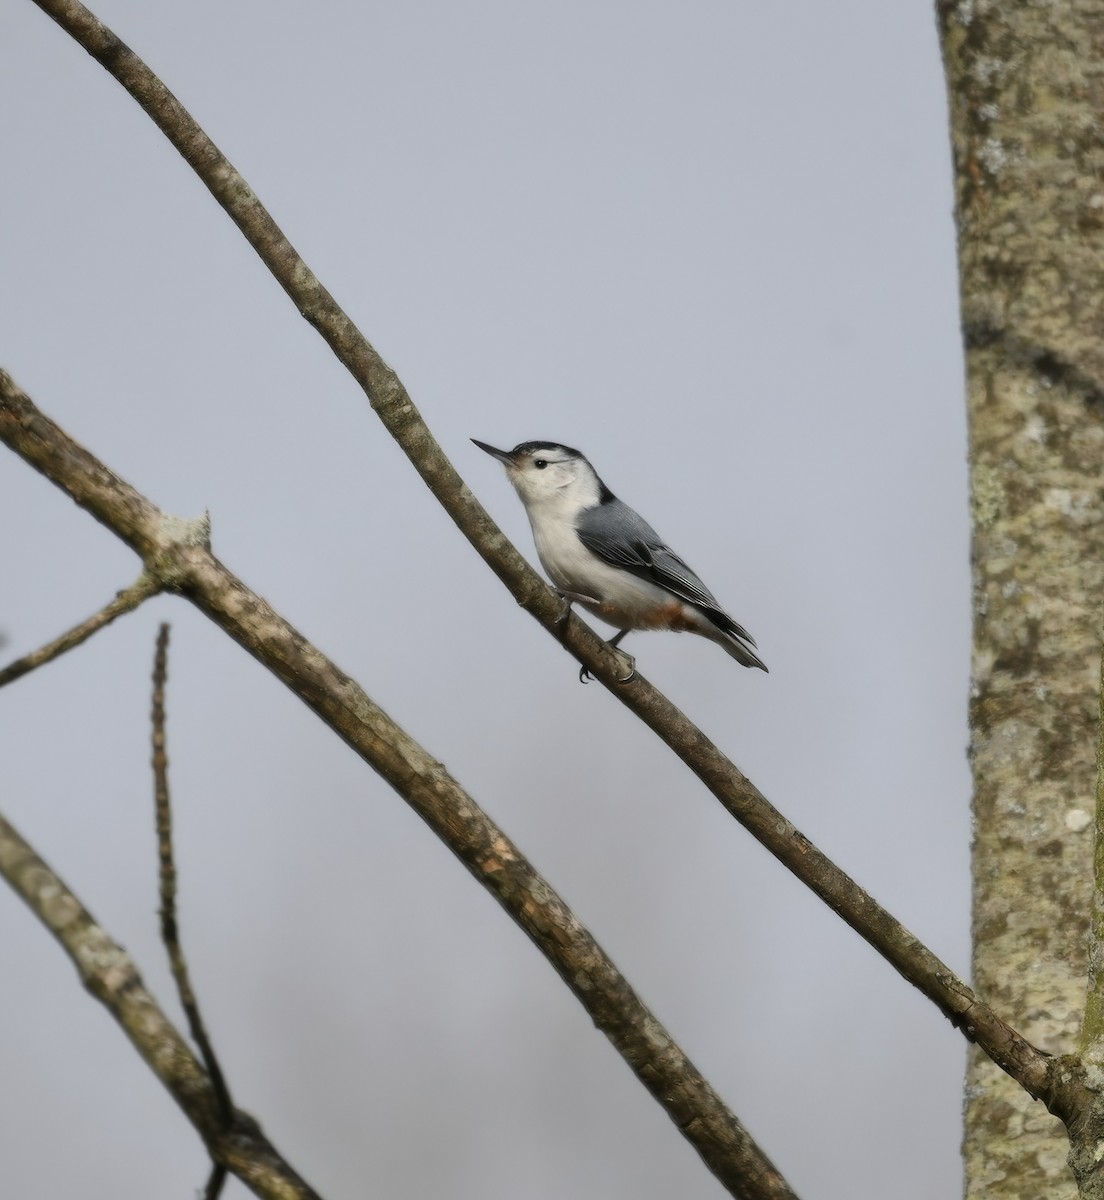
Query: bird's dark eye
x=540 y=463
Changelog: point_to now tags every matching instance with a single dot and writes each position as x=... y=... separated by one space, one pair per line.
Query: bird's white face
x=553 y=481
x=549 y=474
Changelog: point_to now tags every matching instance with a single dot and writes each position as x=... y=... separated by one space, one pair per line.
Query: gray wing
x=624 y=539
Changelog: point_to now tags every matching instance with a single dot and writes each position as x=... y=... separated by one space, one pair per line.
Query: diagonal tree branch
x=125 y=601
x=395 y=408
x=109 y=973
x=179 y=555
x=385 y=391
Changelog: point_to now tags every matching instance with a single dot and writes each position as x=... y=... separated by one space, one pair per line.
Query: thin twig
x=395 y=408
x=658 y=1062
x=214 y=1182
x=125 y=601
x=170 y=931
x=109 y=974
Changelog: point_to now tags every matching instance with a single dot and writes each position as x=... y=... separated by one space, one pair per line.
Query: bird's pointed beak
x=503 y=456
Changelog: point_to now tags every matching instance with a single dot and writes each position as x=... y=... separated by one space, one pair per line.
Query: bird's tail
x=735 y=639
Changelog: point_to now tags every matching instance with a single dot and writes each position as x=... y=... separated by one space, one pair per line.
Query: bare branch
x=109 y=973
x=170 y=931
x=125 y=601
x=178 y=551
x=395 y=408
x=385 y=391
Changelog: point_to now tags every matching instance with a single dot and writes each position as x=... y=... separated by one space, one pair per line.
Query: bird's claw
x=630 y=662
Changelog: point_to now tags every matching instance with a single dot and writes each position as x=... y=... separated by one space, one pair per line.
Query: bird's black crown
x=533 y=447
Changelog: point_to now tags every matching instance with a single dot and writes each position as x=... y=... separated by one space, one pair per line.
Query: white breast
x=624 y=600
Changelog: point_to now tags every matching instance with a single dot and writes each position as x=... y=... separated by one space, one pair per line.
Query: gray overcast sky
x=711 y=245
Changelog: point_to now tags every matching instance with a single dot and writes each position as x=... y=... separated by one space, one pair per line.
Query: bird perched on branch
x=602 y=554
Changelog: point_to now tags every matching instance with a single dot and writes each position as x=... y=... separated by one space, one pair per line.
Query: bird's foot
x=627 y=661
x=630 y=666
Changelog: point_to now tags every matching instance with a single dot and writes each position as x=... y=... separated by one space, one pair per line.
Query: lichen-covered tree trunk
x=1026 y=87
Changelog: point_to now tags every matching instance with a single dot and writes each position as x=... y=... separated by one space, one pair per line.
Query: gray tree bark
x=1026 y=88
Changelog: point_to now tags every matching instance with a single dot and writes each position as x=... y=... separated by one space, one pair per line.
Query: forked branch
x=126 y=601
x=109 y=974
x=179 y=552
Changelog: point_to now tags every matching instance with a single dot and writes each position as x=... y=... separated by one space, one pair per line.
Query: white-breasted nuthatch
x=602 y=554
